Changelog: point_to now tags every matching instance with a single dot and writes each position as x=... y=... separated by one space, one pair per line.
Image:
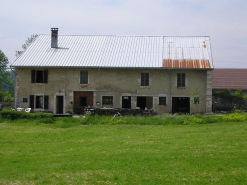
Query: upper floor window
x=181 y=80
x=39 y=76
x=144 y=79
x=84 y=77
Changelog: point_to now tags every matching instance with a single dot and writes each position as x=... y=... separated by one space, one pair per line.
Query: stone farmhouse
x=66 y=73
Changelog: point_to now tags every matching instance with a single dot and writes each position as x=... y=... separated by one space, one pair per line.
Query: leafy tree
x=6 y=85
x=239 y=93
x=4 y=75
x=27 y=43
x=8 y=97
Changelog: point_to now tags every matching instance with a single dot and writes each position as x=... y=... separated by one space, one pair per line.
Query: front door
x=82 y=99
x=59 y=105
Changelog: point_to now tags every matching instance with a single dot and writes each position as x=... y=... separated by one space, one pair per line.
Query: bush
x=15 y=115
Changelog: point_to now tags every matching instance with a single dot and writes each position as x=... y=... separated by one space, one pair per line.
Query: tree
x=4 y=75
x=27 y=43
x=6 y=85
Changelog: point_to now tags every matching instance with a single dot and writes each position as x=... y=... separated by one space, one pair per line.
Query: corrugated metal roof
x=229 y=78
x=188 y=64
x=115 y=51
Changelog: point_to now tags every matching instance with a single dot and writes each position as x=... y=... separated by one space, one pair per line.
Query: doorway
x=180 y=105
x=59 y=105
x=82 y=99
x=126 y=102
x=144 y=102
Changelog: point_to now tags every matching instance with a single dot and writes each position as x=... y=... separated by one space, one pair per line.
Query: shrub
x=14 y=115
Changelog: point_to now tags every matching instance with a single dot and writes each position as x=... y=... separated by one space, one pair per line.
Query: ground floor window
x=39 y=101
x=25 y=100
x=162 y=100
x=107 y=100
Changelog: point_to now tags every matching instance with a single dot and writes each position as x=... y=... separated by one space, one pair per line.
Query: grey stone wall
x=228 y=103
x=117 y=83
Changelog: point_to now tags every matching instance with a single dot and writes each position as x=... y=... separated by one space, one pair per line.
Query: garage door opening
x=180 y=105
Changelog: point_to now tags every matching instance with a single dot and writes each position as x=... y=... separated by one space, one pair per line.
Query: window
x=39 y=76
x=83 y=101
x=84 y=77
x=39 y=102
x=181 y=80
x=196 y=100
x=144 y=79
x=162 y=100
x=107 y=100
x=25 y=100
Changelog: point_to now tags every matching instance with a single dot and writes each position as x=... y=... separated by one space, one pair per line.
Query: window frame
x=181 y=79
x=84 y=78
x=24 y=100
x=111 y=101
x=33 y=102
x=145 y=79
x=163 y=100
x=39 y=76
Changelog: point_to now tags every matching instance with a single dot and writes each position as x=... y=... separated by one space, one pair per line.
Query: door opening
x=180 y=105
x=59 y=105
x=82 y=100
x=126 y=102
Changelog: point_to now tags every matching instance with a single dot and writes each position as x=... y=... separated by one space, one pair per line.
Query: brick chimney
x=54 y=37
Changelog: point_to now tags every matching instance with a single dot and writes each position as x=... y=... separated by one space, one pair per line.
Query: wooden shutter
x=149 y=102
x=31 y=101
x=46 y=76
x=46 y=102
x=33 y=76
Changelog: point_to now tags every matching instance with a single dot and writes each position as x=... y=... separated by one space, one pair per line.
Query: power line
x=221 y=61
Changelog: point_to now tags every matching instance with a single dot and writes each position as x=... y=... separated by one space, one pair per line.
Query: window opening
x=107 y=100
x=181 y=79
x=39 y=76
x=162 y=100
x=39 y=102
x=144 y=79
x=84 y=77
x=25 y=100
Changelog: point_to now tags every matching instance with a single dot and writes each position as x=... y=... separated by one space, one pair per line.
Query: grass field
x=71 y=153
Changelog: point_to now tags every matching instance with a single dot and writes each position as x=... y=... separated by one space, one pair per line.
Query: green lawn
x=34 y=153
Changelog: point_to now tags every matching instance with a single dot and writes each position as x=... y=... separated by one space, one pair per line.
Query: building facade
x=167 y=74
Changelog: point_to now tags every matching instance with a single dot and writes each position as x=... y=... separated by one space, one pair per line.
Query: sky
x=225 y=21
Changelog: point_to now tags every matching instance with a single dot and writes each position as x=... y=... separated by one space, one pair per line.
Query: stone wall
x=117 y=83
x=228 y=103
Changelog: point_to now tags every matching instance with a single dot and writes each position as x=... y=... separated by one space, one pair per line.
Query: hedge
x=14 y=115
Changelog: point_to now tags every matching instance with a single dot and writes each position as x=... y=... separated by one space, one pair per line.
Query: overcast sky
x=225 y=21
